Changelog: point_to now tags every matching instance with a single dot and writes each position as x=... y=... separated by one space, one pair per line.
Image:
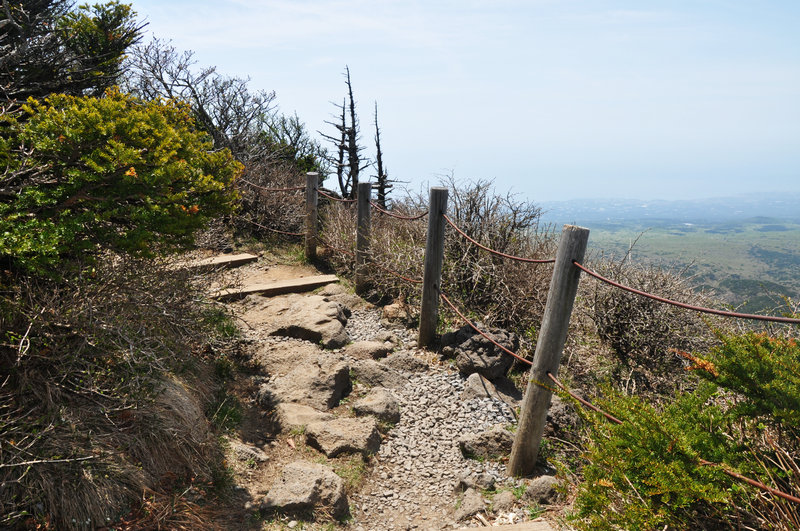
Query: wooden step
x=223 y=260
x=533 y=525
x=279 y=287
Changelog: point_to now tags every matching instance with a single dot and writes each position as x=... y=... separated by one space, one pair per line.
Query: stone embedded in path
x=319 y=384
x=344 y=435
x=293 y=416
x=476 y=386
x=405 y=361
x=304 y=487
x=374 y=374
x=310 y=317
x=489 y=444
x=472 y=503
x=380 y=403
x=248 y=452
x=368 y=350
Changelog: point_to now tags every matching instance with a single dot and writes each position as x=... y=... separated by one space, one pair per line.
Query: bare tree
x=384 y=184
x=340 y=143
x=224 y=106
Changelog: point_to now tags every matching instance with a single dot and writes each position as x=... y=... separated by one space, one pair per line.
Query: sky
x=551 y=99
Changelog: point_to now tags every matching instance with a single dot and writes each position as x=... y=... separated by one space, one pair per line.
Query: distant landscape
x=746 y=250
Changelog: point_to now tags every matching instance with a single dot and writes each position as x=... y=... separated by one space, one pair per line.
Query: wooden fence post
x=432 y=275
x=363 y=236
x=312 y=183
x=552 y=336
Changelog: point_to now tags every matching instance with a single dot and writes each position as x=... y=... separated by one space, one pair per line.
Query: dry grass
x=90 y=417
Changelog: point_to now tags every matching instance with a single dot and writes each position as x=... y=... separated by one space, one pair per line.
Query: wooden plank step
x=279 y=287
x=533 y=525
x=223 y=260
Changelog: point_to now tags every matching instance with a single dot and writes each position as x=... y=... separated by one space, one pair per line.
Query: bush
x=647 y=472
x=107 y=173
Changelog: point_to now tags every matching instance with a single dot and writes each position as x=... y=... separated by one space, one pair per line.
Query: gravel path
x=412 y=483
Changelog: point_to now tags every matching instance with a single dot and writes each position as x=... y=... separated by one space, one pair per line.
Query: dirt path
x=409 y=483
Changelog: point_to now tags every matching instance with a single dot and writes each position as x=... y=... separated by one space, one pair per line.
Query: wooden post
x=363 y=236
x=312 y=183
x=552 y=336
x=432 y=275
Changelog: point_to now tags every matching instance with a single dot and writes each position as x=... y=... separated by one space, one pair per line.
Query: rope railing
x=259 y=225
x=704 y=462
x=334 y=198
x=372 y=261
x=377 y=207
x=479 y=331
x=266 y=189
x=498 y=253
x=723 y=313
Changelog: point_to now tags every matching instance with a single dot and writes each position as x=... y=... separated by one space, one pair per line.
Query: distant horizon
x=553 y=100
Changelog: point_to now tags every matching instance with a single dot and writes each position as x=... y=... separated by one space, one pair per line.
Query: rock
x=503 y=501
x=542 y=490
x=311 y=317
x=372 y=373
x=293 y=416
x=397 y=311
x=451 y=339
x=485 y=481
x=304 y=487
x=489 y=444
x=562 y=419
x=380 y=403
x=247 y=452
x=472 y=503
x=385 y=336
x=405 y=361
x=320 y=385
x=477 y=386
x=344 y=435
x=478 y=354
x=365 y=350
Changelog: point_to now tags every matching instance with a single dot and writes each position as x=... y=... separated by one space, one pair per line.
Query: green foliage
x=48 y=47
x=648 y=472
x=764 y=369
x=645 y=472
x=107 y=173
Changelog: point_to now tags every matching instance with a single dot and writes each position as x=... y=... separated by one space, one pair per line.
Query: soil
x=252 y=480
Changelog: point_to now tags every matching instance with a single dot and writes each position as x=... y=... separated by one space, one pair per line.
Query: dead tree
x=353 y=149
x=384 y=184
x=339 y=143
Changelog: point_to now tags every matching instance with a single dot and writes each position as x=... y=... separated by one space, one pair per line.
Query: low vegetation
x=104 y=338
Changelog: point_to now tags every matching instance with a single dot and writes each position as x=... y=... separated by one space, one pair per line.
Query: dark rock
x=478 y=354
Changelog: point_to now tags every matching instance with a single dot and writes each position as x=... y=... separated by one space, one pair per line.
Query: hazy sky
x=555 y=99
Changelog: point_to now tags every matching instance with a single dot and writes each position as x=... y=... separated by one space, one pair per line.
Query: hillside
x=742 y=249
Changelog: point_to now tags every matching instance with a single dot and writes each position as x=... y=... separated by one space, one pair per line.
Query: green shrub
x=648 y=472
x=106 y=173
